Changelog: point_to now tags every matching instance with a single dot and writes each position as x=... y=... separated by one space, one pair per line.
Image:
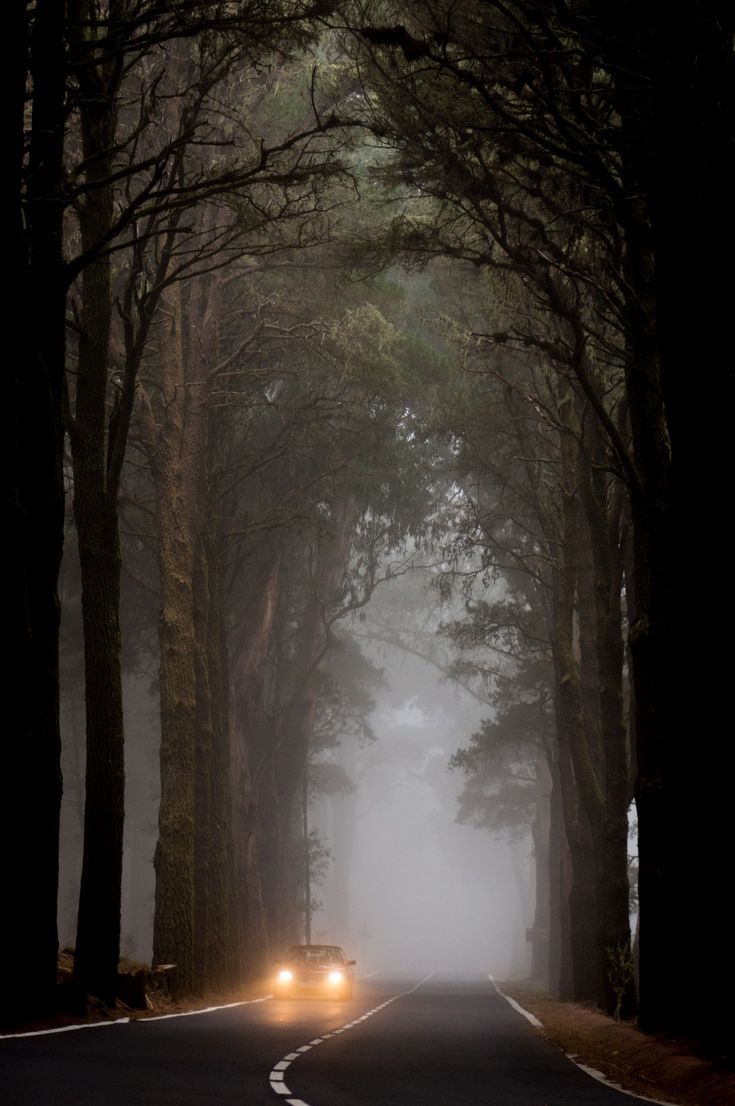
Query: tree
x=593 y=100
x=34 y=497
x=135 y=178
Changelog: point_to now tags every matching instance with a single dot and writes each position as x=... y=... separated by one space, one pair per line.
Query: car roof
x=316 y=948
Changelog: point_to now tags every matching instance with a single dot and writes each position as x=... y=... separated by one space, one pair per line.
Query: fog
x=404 y=884
x=423 y=891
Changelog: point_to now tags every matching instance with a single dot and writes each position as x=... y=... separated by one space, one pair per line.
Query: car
x=319 y=970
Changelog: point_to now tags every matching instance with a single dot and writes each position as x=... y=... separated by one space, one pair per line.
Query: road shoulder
x=652 y=1066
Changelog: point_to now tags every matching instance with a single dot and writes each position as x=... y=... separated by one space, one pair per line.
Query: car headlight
x=285 y=976
x=336 y=977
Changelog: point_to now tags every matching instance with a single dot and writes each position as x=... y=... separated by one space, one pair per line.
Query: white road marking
x=127 y=1021
x=65 y=1029
x=598 y=1075
x=516 y=1005
x=276 y=1075
x=205 y=1010
x=601 y=1078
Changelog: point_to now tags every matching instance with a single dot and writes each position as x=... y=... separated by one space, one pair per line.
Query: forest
x=310 y=303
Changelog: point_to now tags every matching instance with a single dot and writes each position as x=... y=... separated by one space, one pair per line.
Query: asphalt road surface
x=439 y=1041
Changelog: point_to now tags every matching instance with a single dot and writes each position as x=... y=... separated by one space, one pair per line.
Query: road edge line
x=129 y=1020
x=593 y=1072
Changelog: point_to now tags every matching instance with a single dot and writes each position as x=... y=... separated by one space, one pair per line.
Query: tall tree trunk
x=35 y=506
x=223 y=942
x=561 y=983
x=212 y=797
x=95 y=511
x=602 y=510
x=674 y=78
x=332 y=550
x=592 y=727
x=212 y=801
x=177 y=445
x=694 y=117
x=207 y=912
x=254 y=819
x=582 y=800
x=98 y=924
x=541 y=830
x=193 y=731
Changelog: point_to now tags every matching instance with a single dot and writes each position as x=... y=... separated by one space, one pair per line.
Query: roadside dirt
x=656 y=1067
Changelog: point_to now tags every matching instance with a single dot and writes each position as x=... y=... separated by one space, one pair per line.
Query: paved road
x=436 y=1042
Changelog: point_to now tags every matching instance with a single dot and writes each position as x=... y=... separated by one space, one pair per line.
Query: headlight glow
x=335 y=977
x=285 y=976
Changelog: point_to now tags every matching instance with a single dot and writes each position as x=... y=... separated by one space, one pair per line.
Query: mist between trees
x=340 y=328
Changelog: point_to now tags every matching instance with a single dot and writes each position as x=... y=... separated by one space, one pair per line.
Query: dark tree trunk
x=694 y=117
x=191 y=748
x=35 y=505
x=561 y=984
x=602 y=532
x=175 y=438
x=675 y=79
x=253 y=794
x=541 y=831
x=292 y=764
x=213 y=923
x=207 y=912
x=173 y=940
x=98 y=924
x=95 y=510
x=223 y=950
x=579 y=786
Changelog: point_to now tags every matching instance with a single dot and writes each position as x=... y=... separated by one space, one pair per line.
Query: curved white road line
x=598 y=1075
x=65 y=1029
x=516 y=1005
x=204 y=1010
x=277 y=1075
x=141 y=1020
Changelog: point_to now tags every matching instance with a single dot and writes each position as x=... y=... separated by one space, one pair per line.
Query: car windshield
x=316 y=954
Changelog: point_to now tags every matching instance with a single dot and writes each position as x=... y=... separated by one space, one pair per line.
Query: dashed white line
x=277 y=1077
